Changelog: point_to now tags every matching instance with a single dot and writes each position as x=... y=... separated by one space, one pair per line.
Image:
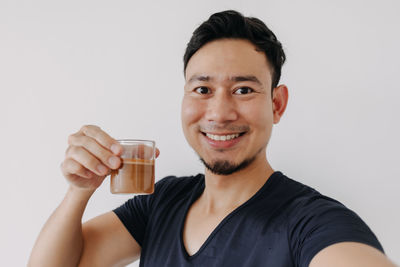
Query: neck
x=226 y=192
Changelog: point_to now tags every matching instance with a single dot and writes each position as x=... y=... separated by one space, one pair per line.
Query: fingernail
x=102 y=169
x=114 y=161
x=115 y=148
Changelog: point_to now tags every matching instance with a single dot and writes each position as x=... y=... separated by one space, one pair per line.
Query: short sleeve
x=135 y=213
x=321 y=222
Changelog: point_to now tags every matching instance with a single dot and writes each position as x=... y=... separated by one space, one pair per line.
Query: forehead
x=222 y=59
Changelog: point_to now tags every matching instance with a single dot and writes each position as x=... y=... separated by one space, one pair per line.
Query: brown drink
x=135 y=176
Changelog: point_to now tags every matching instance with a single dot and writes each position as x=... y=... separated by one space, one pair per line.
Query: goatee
x=225 y=167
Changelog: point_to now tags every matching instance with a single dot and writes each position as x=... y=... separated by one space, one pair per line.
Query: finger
x=157 y=152
x=101 y=153
x=102 y=138
x=70 y=166
x=87 y=160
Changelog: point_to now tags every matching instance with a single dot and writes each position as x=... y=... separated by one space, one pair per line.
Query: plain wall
x=118 y=64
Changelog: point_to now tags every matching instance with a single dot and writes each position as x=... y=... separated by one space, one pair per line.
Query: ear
x=280 y=98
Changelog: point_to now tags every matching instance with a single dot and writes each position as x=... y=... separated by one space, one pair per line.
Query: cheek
x=190 y=112
x=260 y=115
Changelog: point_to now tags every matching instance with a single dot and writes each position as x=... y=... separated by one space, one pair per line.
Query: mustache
x=212 y=127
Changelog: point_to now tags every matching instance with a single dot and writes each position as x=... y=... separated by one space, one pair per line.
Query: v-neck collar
x=196 y=194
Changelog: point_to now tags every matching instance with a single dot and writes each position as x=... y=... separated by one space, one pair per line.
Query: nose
x=221 y=108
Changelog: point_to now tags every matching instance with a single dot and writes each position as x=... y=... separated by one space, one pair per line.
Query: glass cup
x=136 y=174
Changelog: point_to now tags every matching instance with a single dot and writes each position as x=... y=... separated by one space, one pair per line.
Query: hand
x=90 y=157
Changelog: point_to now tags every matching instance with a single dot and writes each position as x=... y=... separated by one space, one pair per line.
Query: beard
x=225 y=167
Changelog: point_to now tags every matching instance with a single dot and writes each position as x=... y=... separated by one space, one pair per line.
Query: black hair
x=233 y=25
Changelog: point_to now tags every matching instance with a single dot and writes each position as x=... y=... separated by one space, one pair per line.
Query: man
x=240 y=212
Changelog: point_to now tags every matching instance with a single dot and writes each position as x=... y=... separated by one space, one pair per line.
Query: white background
x=118 y=64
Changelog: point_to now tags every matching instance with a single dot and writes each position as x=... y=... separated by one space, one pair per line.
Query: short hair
x=231 y=24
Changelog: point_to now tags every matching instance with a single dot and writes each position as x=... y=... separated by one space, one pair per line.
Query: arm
x=326 y=233
x=107 y=243
x=60 y=242
x=350 y=254
x=64 y=241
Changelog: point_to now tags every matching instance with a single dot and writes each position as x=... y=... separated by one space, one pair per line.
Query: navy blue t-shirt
x=284 y=224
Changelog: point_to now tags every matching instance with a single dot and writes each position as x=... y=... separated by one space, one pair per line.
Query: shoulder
x=308 y=206
x=173 y=188
x=168 y=191
x=169 y=187
x=177 y=184
x=300 y=196
x=315 y=221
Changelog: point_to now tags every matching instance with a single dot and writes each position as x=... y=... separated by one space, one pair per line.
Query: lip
x=222 y=144
x=223 y=133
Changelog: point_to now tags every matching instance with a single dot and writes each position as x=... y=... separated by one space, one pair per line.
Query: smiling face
x=227 y=110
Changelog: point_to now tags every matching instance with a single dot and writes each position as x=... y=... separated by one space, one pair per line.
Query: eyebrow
x=241 y=78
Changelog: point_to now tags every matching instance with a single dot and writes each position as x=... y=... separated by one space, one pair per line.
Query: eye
x=202 y=90
x=244 y=91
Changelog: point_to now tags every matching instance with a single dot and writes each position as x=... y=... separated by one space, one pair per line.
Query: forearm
x=350 y=254
x=60 y=242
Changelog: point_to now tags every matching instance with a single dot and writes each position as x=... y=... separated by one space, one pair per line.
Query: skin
x=227 y=106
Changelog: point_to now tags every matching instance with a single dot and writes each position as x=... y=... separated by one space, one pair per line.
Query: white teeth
x=221 y=137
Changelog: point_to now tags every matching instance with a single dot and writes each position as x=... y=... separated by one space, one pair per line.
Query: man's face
x=227 y=111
